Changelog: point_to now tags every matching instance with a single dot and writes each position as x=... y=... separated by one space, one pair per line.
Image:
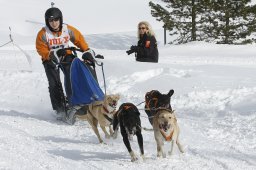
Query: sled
x=84 y=83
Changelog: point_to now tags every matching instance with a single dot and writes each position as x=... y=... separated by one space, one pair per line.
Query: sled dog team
x=52 y=44
x=127 y=117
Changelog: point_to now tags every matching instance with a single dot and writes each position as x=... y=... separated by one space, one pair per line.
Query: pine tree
x=182 y=18
x=234 y=20
x=251 y=26
x=222 y=21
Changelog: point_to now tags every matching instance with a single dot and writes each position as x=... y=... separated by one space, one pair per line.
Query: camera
x=130 y=52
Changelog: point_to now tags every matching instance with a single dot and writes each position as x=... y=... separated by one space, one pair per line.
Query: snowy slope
x=215 y=98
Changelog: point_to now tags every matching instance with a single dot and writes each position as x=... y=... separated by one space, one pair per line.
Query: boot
x=71 y=112
x=60 y=114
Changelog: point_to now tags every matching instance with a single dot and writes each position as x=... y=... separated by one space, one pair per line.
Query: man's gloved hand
x=61 y=52
x=87 y=56
x=53 y=60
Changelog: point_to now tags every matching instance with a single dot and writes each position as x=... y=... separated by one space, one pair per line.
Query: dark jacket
x=147 y=49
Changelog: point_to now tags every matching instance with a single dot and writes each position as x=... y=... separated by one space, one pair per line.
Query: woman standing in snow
x=146 y=49
x=50 y=43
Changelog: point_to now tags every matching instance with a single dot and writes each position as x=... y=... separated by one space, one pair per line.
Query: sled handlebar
x=98 y=56
x=74 y=49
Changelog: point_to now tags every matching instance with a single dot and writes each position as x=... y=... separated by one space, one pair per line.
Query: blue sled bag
x=85 y=89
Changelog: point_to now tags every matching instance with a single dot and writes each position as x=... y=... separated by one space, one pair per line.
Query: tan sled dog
x=101 y=113
x=166 y=129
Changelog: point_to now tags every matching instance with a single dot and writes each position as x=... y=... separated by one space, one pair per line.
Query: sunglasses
x=142 y=28
x=53 y=19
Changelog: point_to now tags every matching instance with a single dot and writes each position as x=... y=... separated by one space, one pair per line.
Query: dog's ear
x=117 y=96
x=170 y=93
x=107 y=97
x=174 y=116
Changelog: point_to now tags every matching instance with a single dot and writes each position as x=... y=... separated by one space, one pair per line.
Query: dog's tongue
x=164 y=127
x=113 y=105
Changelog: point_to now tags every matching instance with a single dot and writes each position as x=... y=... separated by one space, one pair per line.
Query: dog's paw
x=143 y=157
x=133 y=159
x=103 y=143
x=161 y=154
x=111 y=134
x=181 y=149
x=133 y=156
x=114 y=136
x=170 y=153
x=107 y=136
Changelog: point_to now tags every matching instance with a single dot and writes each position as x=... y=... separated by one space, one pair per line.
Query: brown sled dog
x=166 y=129
x=101 y=113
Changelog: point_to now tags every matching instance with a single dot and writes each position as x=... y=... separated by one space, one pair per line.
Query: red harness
x=167 y=138
x=148 y=99
x=127 y=107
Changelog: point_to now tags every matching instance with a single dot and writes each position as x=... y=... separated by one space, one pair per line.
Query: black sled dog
x=128 y=118
x=155 y=100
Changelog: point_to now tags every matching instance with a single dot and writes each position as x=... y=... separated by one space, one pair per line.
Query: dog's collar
x=167 y=138
x=105 y=109
x=108 y=118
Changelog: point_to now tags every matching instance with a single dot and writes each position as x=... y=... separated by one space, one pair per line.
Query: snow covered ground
x=215 y=100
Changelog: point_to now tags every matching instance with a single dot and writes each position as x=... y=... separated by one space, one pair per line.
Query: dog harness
x=127 y=107
x=106 y=116
x=167 y=138
x=148 y=99
x=155 y=100
x=106 y=111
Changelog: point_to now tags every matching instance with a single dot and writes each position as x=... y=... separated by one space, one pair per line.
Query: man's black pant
x=55 y=87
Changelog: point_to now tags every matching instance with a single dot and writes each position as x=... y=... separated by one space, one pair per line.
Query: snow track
x=215 y=102
x=214 y=99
